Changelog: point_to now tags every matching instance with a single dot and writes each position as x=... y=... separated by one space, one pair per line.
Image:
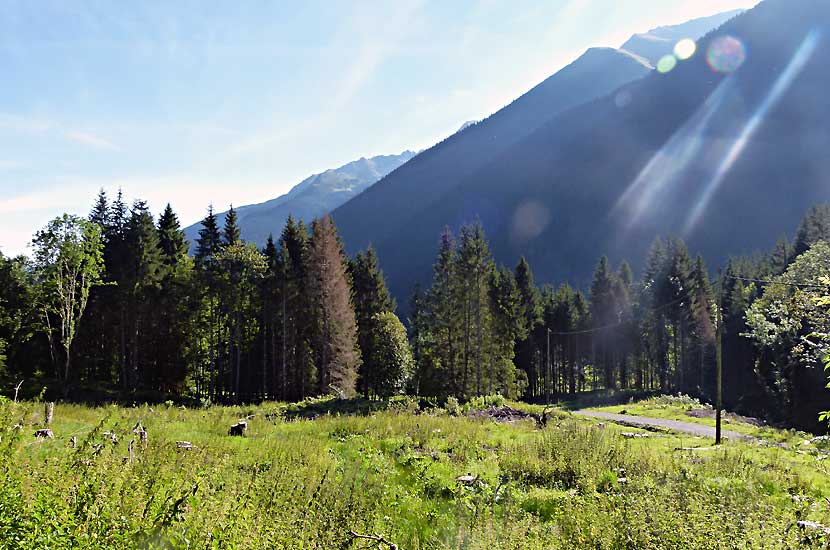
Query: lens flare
x=726 y=54
x=685 y=49
x=666 y=64
x=779 y=88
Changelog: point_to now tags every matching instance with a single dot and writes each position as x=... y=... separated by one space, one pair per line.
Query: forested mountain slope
x=730 y=161
x=389 y=214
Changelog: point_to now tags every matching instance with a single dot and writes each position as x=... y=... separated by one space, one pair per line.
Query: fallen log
x=45 y=433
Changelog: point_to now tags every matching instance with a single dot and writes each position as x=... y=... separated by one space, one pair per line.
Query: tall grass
x=297 y=483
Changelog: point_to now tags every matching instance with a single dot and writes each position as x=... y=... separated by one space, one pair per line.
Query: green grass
x=294 y=482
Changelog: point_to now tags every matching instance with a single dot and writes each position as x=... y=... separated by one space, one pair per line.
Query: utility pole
x=719 y=361
x=548 y=371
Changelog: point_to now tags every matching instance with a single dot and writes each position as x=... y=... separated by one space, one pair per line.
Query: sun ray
x=782 y=84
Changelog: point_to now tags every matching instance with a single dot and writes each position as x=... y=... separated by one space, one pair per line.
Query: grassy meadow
x=311 y=475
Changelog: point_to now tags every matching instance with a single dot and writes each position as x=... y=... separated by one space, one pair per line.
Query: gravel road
x=675 y=425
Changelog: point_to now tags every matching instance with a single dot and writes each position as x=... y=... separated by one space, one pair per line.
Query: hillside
x=440 y=187
x=311 y=198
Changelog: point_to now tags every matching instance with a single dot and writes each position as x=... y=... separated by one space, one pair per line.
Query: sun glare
x=685 y=49
x=666 y=64
x=726 y=54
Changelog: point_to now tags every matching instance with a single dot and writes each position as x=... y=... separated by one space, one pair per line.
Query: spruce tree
x=526 y=345
x=605 y=317
x=446 y=314
x=508 y=326
x=370 y=298
x=210 y=239
x=298 y=365
x=100 y=211
x=474 y=268
x=271 y=301
x=172 y=241
x=231 y=233
x=143 y=278
x=334 y=328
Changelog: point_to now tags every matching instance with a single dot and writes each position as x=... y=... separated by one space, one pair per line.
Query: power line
x=771 y=282
x=618 y=323
x=687 y=295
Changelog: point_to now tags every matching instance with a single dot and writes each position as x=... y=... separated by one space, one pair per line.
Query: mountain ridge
x=311 y=198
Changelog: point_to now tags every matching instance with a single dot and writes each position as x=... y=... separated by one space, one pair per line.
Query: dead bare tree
x=17 y=389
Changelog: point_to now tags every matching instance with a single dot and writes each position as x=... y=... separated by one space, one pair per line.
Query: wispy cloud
x=44 y=126
x=91 y=140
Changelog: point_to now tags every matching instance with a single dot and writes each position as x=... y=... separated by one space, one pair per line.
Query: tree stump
x=239 y=428
x=139 y=430
x=50 y=412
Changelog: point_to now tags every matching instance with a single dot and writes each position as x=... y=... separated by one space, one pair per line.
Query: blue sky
x=217 y=102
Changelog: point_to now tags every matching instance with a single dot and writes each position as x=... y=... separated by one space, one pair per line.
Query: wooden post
x=50 y=412
x=719 y=363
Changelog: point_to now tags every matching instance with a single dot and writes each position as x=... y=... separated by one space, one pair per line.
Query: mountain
x=403 y=213
x=309 y=199
x=660 y=41
x=727 y=161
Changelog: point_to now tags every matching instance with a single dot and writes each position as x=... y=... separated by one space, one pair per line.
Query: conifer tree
x=425 y=379
x=231 y=233
x=210 y=239
x=334 y=328
x=298 y=366
x=813 y=228
x=144 y=273
x=173 y=314
x=370 y=298
x=171 y=240
x=474 y=268
x=271 y=299
x=605 y=315
x=100 y=211
x=208 y=246
x=526 y=346
x=508 y=326
x=445 y=307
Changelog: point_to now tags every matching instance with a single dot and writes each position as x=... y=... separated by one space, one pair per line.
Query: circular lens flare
x=685 y=49
x=726 y=54
x=666 y=64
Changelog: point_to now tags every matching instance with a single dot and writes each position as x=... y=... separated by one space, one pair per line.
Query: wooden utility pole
x=719 y=361
x=548 y=373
